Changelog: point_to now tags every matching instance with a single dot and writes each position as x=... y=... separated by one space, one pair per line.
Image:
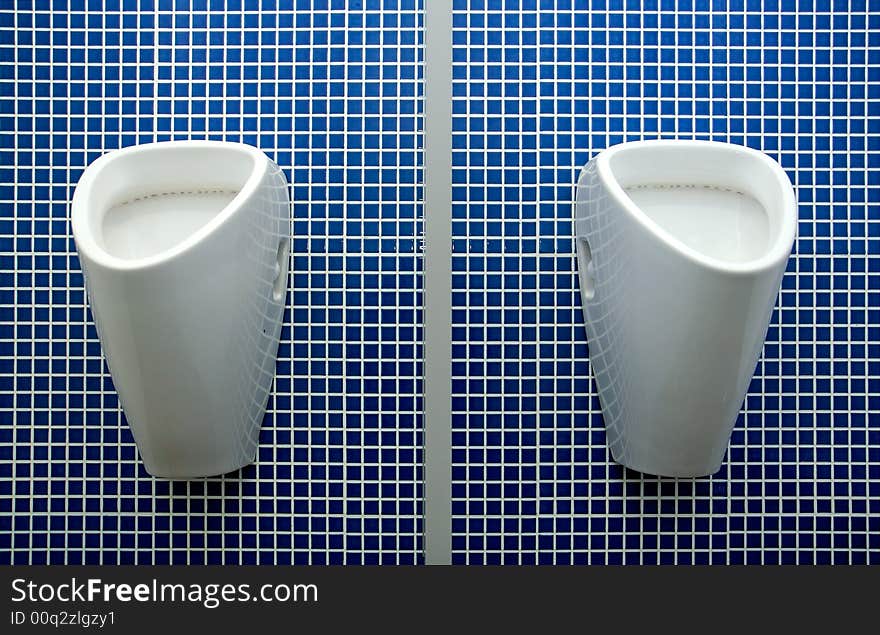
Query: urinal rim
x=773 y=255
x=83 y=236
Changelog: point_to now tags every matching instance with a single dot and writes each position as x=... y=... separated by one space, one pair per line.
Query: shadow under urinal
x=185 y=249
x=681 y=249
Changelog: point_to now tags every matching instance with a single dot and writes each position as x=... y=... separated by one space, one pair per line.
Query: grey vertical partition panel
x=438 y=282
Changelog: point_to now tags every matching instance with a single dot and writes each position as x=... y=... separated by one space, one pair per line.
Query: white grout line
x=438 y=282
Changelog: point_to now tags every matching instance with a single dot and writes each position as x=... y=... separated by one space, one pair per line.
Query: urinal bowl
x=184 y=248
x=681 y=248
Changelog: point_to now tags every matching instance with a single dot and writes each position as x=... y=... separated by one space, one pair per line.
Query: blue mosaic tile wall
x=539 y=87
x=330 y=90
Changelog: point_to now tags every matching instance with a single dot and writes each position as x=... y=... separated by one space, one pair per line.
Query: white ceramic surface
x=681 y=249
x=185 y=248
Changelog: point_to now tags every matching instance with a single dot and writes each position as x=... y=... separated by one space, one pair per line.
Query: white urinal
x=185 y=249
x=681 y=248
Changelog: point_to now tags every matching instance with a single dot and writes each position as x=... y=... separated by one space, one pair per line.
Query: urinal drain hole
x=178 y=194
x=682 y=186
